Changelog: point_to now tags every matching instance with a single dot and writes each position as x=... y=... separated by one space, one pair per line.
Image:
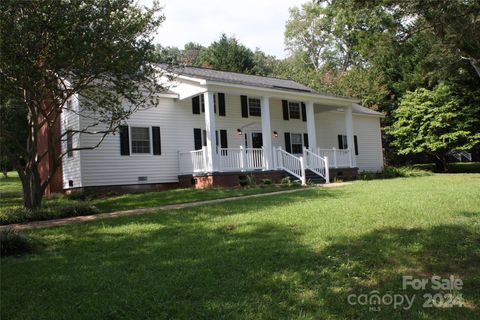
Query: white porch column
x=212 y=157
x=349 y=132
x=267 y=134
x=312 y=133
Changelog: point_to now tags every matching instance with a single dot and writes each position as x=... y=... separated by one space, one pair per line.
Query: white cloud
x=255 y=23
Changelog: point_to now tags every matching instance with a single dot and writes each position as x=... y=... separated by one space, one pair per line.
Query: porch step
x=310 y=175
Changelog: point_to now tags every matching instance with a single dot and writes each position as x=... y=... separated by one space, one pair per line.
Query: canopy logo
x=446 y=294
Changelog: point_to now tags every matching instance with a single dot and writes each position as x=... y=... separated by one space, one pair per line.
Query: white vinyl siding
x=71 y=164
x=104 y=166
x=367 y=129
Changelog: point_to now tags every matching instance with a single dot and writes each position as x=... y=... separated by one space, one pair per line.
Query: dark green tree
x=229 y=55
x=436 y=122
x=53 y=50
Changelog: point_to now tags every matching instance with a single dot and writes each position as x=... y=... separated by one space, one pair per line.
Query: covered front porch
x=259 y=147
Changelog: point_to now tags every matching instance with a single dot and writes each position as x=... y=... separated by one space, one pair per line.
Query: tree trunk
x=441 y=162
x=32 y=188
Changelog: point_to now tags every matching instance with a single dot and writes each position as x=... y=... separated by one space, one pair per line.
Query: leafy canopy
x=53 y=50
x=435 y=121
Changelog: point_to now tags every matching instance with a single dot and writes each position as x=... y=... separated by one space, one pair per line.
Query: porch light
x=239 y=132
x=275 y=134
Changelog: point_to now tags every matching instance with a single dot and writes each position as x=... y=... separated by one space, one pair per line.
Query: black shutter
x=285 y=109
x=216 y=138
x=197 y=138
x=305 y=140
x=288 y=146
x=196 y=105
x=340 y=141
x=157 y=144
x=356 y=145
x=304 y=112
x=221 y=104
x=223 y=139
x=124 y=141
x=244 y=102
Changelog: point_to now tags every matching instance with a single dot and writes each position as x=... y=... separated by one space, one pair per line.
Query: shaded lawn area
x=57 y=205
x=297 y=255
x=454 y=167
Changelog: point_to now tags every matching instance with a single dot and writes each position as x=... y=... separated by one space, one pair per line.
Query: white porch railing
x=234 y=159
x=317 y=164
x=337 y=158
x=192 y=161
x=290 y=163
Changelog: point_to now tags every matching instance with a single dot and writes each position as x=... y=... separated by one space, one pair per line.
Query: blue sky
x=255 y=23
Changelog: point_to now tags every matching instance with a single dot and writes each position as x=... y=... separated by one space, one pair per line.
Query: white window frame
x=299 y=110
x=301 y=142
x=130 y=135
x=248 y=105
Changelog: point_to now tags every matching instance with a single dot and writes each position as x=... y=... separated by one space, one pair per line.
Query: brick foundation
x=345 y=174
x=225 y=179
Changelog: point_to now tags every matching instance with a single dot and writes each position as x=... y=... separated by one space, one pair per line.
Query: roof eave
x=315 y=96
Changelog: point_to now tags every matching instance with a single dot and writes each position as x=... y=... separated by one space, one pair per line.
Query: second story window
x=254 y=107
x=294 y=110
x=69 y=143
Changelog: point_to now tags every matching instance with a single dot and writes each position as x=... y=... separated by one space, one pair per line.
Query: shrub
x=14 y=243
x=53 y=210
x=266 y=181
x=286 y=181
x=394 y=172
x=243 y=180
x=247 y=180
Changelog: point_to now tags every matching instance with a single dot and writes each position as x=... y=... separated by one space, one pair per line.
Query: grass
x=295 y=256
x=59 y=206
x=11 y=183
x=456 y=167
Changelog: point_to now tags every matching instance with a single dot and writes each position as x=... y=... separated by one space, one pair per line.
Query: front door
x=255 y=140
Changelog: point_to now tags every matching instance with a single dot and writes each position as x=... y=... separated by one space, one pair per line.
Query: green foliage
x=286 y=181
x=455 y=167
x=56 y=50
x=14 y=243
x=189 y=55
x=266 y=182
x=54 y=209
x=435 y=121
x=394 y=172
x=229 y=55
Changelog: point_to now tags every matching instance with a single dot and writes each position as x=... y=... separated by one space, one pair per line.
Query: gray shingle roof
x=356 y=108
x=240 y=78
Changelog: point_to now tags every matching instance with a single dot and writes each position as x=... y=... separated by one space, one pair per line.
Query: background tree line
x=416 y=61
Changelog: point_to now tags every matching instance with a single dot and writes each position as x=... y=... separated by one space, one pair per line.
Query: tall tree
x=229 y=55
x=53 y=50
x=436 y=122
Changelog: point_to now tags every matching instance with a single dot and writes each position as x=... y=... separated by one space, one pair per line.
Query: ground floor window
x=343 y=143
x=297 y=142
x=140 y=139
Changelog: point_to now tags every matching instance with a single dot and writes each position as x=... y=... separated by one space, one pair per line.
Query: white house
x=215 y=126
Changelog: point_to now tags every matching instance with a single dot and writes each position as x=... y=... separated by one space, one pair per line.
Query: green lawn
x=295 y=256
x=58 y=205
x=11 y=183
